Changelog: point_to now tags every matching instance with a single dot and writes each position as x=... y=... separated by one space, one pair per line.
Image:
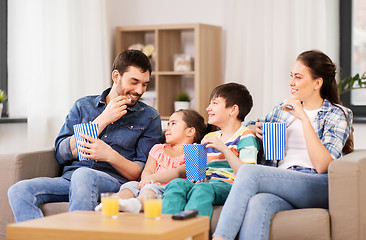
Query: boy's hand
x=214 y=142
x=202 y=180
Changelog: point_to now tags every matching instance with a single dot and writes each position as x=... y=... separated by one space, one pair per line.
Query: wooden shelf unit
x=203 y=42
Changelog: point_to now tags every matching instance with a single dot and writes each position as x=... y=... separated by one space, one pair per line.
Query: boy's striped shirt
x=243 y=144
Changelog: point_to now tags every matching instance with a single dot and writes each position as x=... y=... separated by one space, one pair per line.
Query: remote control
x=185 y=214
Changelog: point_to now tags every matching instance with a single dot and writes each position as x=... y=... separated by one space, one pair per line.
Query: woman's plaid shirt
x=331 y=126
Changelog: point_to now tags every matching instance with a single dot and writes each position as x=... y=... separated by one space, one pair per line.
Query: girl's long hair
x=194 y=119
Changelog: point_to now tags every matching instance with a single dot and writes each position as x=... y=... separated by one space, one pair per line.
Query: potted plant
x=349 y=83
x=182 y=101
x=3 y=97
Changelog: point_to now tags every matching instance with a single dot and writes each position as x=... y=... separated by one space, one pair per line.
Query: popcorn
x=212 y=134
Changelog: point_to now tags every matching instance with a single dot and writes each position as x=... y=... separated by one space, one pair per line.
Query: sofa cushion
x=311 y=223
x=54 y=208
x=214 y=218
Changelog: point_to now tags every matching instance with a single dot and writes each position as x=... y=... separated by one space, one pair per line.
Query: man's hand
x=73 y=148
x=115 y=109
x=95 y=149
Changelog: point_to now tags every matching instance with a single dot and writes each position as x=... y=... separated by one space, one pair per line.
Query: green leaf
x=183 y=96
x=3 y=96
x=347 y=84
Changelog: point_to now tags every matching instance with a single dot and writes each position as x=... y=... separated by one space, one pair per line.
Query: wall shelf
x=201 y=41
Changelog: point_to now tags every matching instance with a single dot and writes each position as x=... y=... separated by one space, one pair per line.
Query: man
x=127 y=130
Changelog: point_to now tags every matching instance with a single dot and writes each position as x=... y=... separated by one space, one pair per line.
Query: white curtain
x=264 y=38
x=59 y=51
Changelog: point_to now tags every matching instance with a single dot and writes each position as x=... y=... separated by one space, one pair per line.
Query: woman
x=318 y=131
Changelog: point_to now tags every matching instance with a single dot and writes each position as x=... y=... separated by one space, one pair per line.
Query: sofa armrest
x=16 y=167
x=347 y=196
x=29 y=165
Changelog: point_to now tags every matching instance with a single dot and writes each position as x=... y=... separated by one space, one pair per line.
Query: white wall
x=17 y=137
x=360 y=135
x=146 y=12
x=14 y=137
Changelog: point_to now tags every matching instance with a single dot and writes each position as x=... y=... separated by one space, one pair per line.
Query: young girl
x=318 y=128
x=165 y=161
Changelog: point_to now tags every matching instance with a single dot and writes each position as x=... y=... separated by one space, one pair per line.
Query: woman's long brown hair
x=321 y=66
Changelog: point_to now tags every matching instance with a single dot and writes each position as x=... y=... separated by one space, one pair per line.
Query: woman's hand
x=294 y=107
x=258 y=130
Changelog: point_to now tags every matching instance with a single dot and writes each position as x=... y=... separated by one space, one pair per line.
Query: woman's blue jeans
x=260 y=191
x=83 y=192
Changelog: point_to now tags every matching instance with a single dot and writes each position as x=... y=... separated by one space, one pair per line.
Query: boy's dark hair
x=194 y=119
x=235 y=94
x=129 y=58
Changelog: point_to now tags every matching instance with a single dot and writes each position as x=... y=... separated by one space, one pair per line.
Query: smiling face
x=217 y=111
x=132 y=83
x=303 y=86
x=176 y=130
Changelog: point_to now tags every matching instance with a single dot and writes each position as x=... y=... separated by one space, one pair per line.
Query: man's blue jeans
x=258 y=192
x=83 y=192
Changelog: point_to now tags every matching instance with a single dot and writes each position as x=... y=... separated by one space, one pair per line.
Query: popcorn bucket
x=196 y=161
x=274 y=140
x=90 y=129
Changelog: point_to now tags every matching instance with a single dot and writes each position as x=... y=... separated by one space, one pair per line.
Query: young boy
x=227 y=150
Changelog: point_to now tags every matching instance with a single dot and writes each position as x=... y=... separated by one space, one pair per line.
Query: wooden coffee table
x=91 y=225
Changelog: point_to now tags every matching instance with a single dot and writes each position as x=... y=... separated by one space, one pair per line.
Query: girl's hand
x=145 y=181
x=294 y=107
x=214 y=142
x=258 y=130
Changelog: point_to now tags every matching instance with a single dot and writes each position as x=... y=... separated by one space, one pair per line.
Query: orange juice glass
x=109 y=205
x=152 y=207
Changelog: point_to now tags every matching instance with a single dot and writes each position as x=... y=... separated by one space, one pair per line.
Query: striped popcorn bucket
x=274 y=140
x=196 y=161
x=90 y=129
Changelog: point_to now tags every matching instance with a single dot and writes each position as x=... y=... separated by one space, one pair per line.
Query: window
x=3 y=47
x=353 y=52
